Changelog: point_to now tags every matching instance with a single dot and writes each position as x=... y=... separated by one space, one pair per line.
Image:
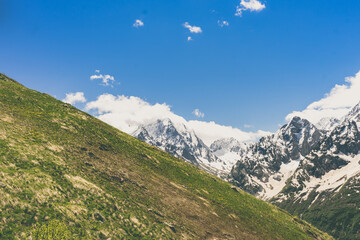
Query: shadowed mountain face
x=325 y=188
x=310 y=172
x=265 y=166
x=57 y=162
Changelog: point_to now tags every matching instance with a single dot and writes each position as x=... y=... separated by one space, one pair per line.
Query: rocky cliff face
x=332 y=157
x=265 y=166
x=325 y=187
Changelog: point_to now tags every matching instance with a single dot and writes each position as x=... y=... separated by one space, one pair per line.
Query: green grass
x=58 y=163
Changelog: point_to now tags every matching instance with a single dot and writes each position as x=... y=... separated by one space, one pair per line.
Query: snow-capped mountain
x=310 y=170
x=265 y=166
x=354 y=115
x=229 y=150
x=328 y=123
x=326 y=185
x=182 y=142
x=328 y=166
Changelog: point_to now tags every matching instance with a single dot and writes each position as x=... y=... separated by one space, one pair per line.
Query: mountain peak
x=296 y=125
x=296 y=119
x=181 y=142
x=266 y=165
x=354 y=114
x=297 y=131
x=165 y=121
x=299 y=122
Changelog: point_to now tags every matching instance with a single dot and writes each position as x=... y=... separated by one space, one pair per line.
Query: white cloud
x=73 y=98
x=138 y=23
x=248 y=126
x=105 y=79
x=249 y=5
x=192 y=29
x=198 y=113
x=223 y=23
x=189 y=38
x=211 y=131
x=336 y=104
x=127 y=113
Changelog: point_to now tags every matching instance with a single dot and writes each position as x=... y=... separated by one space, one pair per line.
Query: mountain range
x=181 y=142
x=304 y=168
x=266 y=165
x=325 y=187
x=60 y=163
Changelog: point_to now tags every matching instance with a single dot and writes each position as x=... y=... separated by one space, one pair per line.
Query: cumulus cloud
x=127 y=113
x=334 y=104
x=223 y=23
x=211 y=131
x=138 y=23
x=192 y=29
x=106 y=79
x=189 y=38
x=249 y=5
x=198 y=113
x=73 y=98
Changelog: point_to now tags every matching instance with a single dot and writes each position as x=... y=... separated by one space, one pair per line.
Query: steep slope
x=57 y=162
x=181 y=142
x=325 y=188
x=264 y=168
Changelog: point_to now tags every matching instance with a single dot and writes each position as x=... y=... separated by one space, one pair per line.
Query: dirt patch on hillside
x=81 y=183
x=55 y=148
x=6 y=118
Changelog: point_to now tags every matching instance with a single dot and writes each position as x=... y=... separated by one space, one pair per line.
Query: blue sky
x=263 y=66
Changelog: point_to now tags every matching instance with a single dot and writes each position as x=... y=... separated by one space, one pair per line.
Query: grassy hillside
x=58 y=163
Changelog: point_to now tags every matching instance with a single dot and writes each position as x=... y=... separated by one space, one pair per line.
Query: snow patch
x=334 y=179
x=278 y=181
